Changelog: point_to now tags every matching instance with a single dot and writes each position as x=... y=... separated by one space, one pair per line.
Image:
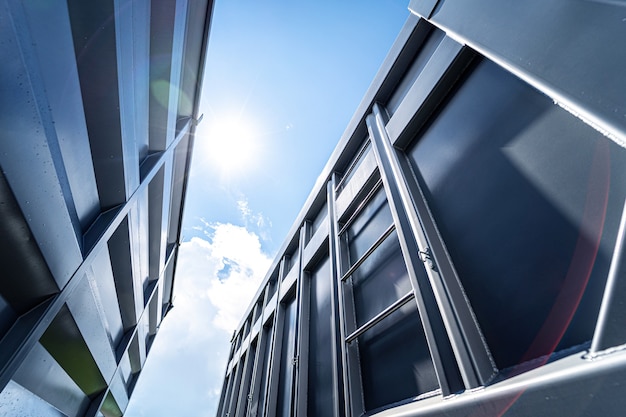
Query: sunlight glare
x=231 y=145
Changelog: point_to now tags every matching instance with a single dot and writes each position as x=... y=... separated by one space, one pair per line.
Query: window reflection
x=394 y=359
x=527 y=199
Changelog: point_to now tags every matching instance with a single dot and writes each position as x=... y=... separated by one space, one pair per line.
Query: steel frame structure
x=99 y=108
x=556 y=52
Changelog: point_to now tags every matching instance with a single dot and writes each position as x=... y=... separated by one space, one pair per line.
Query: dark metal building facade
x=461 y=252
x=98 y=107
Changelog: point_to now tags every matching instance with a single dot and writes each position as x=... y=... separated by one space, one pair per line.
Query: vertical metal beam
x=610 y=329
x=338 y=352
x=300 y=378
x=351 y=381
x=437 y=329
x=255 y=380
x=271 y=386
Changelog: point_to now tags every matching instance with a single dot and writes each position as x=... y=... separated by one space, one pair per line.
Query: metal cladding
x=461 y=252
x=99 y=105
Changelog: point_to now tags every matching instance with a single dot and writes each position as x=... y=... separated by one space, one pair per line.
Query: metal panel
x=441 y=350
x=139 y=223
x=118 y=391
x=50 y=29
x=424 y=7
x=192 y=55
x=565 y=48
x=568 y=386
x=610 y=329
x=7 y=316
x=159 y=202
x=316 y=244
x=33 y=165
x=103 y=286
x=141 y=61
x=93 y=31
x=428 y=42
x=109 y=407
x=161 y=38
x=16 y=400
x=89 y=320
x=65 y=343
x=179 y=173
x=119 y=252
x=444 y=66
x=20 y=257
x=352 y=188
x=129 y=81
x=43 y=376
x=176 y=55
x=340 y=381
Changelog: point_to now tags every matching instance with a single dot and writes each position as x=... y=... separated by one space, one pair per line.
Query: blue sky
x=283 y=79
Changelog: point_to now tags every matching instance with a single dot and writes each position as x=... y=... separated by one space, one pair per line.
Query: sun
x=231 y=145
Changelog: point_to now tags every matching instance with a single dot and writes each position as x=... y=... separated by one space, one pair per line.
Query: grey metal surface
x=567 y=50
x=67 y=89
x=569 y=47
x=42 y=191
x=610 y=331
x=441 y=349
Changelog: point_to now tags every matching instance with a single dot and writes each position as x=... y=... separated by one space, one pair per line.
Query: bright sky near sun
x=283 y=79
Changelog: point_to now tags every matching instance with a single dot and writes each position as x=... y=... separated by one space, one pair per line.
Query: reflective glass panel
x=395 y=360
x=285 y=382
x=263 y=369
x=380 y=280
x=320 y=371
x=368 y=226
x=527 y=199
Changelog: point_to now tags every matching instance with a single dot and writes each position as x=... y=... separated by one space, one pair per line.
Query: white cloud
x=238 y=251
x=256 y=221
x=214 y=284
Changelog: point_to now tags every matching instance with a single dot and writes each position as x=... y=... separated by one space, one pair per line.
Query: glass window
x=380 y=280
x=354 y=166
x=291 y=259
x=368 y=226
x=320 y=369
x=272 y=285
x=234 y=400
x=245 y=383
x=527 y=199
x=394 y=359
x=285 y=382
x=258 y=404
x=319 y=219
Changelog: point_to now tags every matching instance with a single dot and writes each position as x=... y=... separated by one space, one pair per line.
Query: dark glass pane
x=369 y=225
x=320 y=371
x=229 y=394
x=355 y=166
x=263 y=366
x=380 y=280
x=527 y=199
x=320 y=218
x=285 y=382
x=237 y=385
x=291 y=259
x=245 y=385
x=395 y=360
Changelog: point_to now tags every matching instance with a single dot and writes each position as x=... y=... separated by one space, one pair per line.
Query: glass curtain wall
x=391 y=351
x=512 y=204
x=527 y=199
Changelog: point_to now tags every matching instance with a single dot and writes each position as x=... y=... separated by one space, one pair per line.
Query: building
x=98 y=108
x=461 y=252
